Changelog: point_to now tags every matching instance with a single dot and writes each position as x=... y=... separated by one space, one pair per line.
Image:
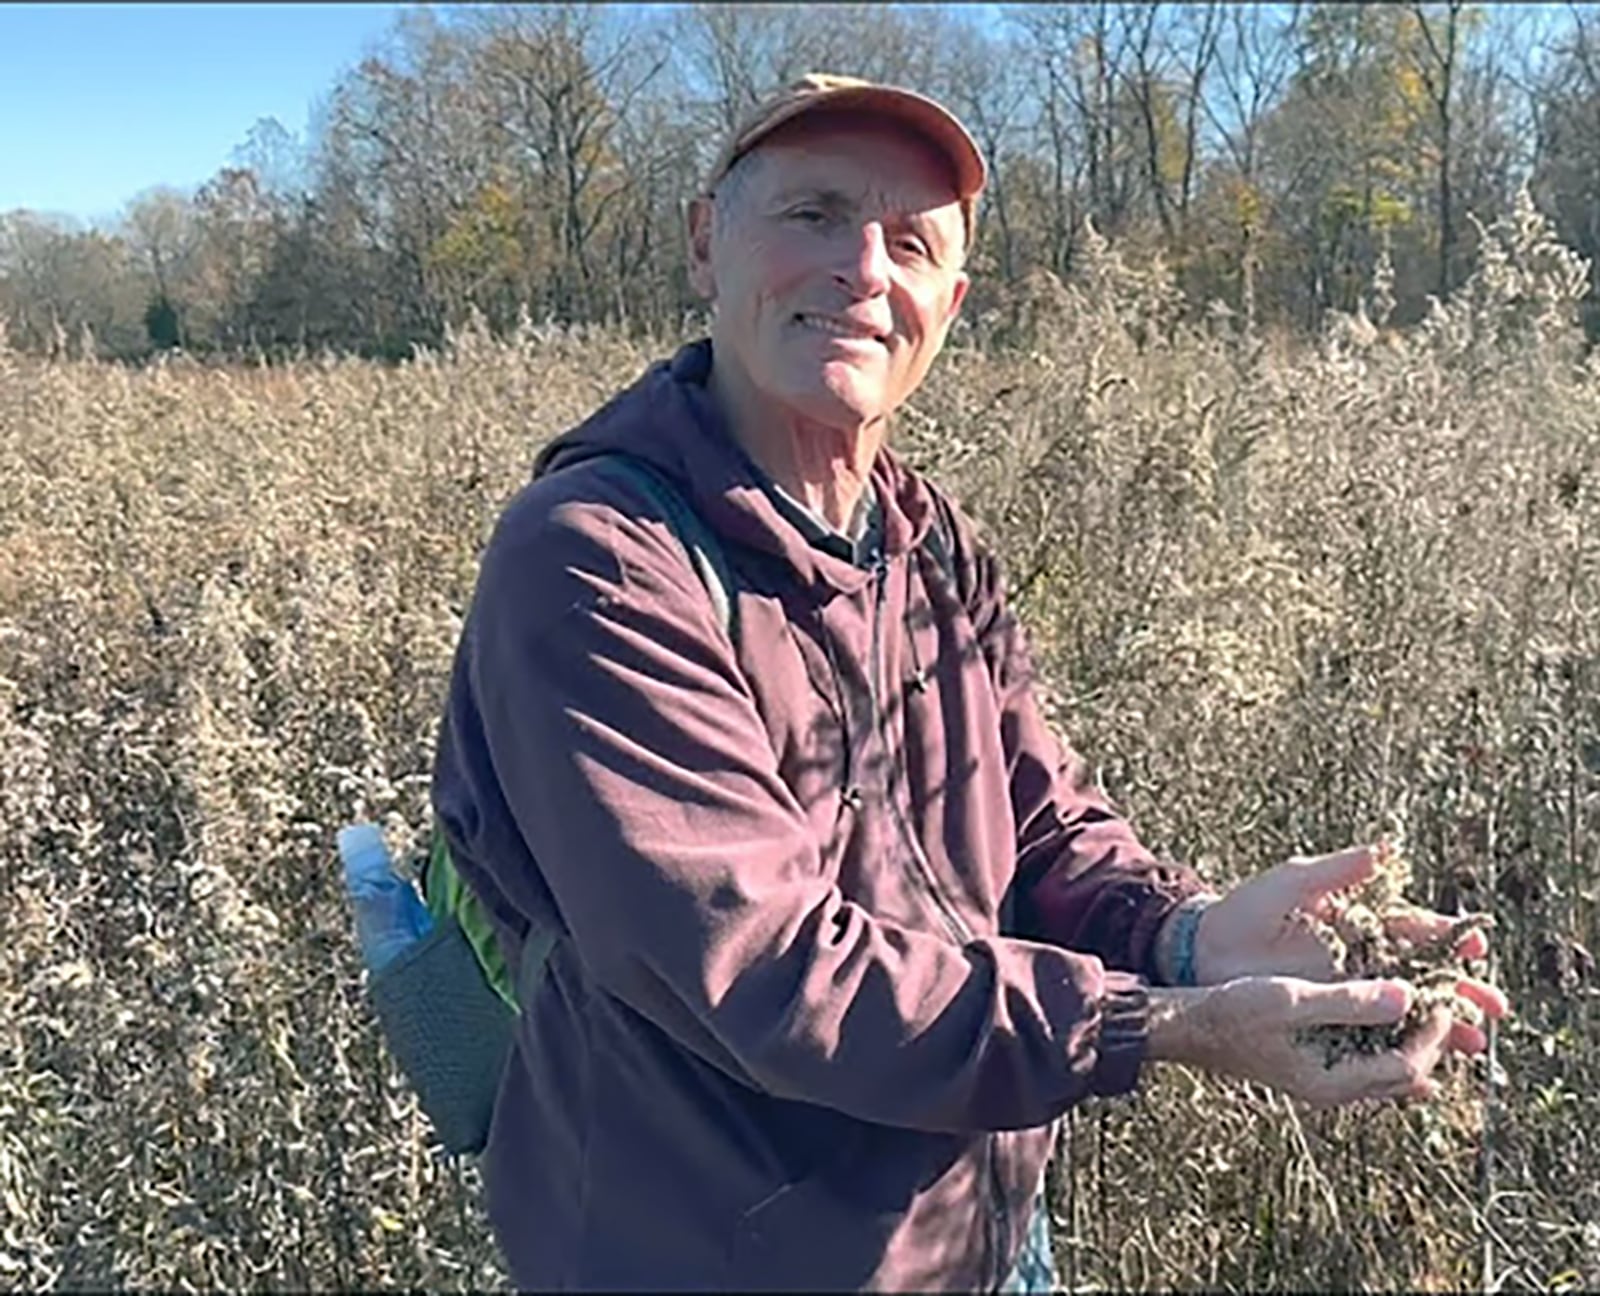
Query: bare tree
x=1079 y=53
x=1057 y=124
x=986 y=88
x=1165 y=75
x=1565 y=176
x=276 y=158
x=734 y=54
x=403 y=151
x=1254 y=60
x=58 y=282
x=161 y=230
x=1438 y=62
x=1201 y=28
x=235 y=226
x=557 y=87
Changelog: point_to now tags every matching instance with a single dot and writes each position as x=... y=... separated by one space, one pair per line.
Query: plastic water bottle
x=390 y=915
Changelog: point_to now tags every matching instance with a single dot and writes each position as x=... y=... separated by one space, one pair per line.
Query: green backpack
x=448 y=1005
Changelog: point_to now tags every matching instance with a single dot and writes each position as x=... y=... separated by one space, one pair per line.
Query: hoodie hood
x=669 y=418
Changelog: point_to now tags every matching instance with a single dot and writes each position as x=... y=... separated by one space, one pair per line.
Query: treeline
x=1280 y=160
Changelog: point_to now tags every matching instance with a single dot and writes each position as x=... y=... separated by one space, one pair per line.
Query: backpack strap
x=699 y=541
x=446 y=891
x=940 y=542
x=537 y=943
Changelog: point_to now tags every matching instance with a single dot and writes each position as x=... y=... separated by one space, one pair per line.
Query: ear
x=958 y=294
x=701 y=278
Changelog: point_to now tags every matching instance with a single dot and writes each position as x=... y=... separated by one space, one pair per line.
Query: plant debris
x=1357 y=930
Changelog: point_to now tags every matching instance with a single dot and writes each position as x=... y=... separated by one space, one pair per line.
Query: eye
x=807 y=215
x=912 y=245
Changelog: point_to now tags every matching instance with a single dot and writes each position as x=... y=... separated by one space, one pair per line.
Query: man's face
x=837 y=272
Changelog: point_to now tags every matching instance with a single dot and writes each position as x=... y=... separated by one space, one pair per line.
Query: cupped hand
x=1252 y=1030
x=1260 y=927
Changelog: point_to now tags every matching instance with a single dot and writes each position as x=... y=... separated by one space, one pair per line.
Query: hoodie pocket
x=833 y=1227
x=807 y=1236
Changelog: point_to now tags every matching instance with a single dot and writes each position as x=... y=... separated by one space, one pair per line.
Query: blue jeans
x=1035 y=1268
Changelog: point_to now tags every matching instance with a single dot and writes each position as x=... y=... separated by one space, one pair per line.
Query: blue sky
x=100 y=101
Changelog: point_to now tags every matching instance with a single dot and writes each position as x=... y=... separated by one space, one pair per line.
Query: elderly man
x=841 y=927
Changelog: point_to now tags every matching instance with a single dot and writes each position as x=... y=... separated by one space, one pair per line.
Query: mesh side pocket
x=448 y=1030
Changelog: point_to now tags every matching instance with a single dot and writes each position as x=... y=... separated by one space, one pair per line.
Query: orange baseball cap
x=819 y=91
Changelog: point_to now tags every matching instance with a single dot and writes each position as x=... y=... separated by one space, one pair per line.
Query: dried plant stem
x=1486 y=1185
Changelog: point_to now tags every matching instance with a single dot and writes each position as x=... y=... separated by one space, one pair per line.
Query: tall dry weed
x=1284 y=597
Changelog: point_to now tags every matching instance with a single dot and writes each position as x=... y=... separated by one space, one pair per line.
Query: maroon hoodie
x=844 y=928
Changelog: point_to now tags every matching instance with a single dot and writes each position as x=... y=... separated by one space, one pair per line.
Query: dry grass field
x=1285 y=597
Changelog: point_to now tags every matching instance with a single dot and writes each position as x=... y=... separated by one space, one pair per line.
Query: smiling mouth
x=838 y=328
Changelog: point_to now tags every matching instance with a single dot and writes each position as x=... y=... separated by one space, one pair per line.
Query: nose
x=865 y=270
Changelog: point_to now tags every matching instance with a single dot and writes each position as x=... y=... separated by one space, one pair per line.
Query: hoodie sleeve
x=638 y=772
x=1084 y=881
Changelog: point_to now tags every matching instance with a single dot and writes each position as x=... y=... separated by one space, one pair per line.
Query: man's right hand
x=1248 y=1028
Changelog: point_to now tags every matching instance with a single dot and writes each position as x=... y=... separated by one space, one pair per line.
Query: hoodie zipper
x=880 y=723
x=1000 y=1237
x=997 y=1226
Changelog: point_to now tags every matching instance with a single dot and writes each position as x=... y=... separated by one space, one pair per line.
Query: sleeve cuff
x=1124 y=1034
